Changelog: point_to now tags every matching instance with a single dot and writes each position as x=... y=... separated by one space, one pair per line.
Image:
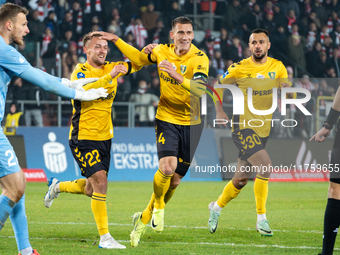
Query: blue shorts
x=8 y=160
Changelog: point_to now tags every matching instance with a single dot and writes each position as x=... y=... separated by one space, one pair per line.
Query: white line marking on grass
x=188 y=227
x=185 y=243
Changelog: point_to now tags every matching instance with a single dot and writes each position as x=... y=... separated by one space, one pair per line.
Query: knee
x=167 y=168
x=239 y=183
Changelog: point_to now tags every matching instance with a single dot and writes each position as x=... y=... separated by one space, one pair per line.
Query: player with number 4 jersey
x=178 y=122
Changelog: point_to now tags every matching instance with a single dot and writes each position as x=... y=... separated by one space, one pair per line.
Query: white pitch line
x=186 y=243
x=187 y=227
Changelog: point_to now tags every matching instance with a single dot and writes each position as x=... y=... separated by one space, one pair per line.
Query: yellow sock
x=161 y=183
x=98 y=206
x=169 y=194
x=147 y=213
x=75 y=187
x=229 y=193
x=261 y=194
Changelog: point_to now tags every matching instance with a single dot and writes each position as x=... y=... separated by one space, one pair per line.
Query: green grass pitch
x=294 y=210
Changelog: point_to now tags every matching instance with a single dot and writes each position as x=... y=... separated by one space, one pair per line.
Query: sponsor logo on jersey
x=272 y=75
x=80 y=75
x=225 y=74
x=183 y=69
x=21 y=60
x=258 y=75
x=200 y=67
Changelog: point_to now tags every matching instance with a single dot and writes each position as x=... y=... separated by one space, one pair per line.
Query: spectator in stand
x=145 y=115
x=268 y=8
x=318 y=67
x=296 y=52
x=150 y=17
x=33 y=112
x=48 y=51
x=69 y=60
x=332 y=6
x=43 y=7
x=291 y=19
x=208 y=45
x=232 y=17
x=114 y=20
x=323 y=34
x=287 y=5
x=158 y=34
x=155 y=87
x=328 y=47
x=138 y=31
x=35 y=26
x=212 y=71
x=251 y=21
x=268 y=23
x=320 y=11
x=235 y=49
x=223 y=42
x=13 y=119
x=279 y=18
x=334 y=62
x=335 y=35
x=311 y=36
x=51 y=22
x=171 y=14
x=77 y=19
x=66 y=24
x=65 y=41
x=311 y=18
x=279 y=44
x=217 y=61
x=305 y=9
x=304 y=121
x=129 y=9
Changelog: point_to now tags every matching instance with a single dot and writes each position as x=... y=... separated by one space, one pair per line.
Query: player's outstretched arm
x=129 y=51
x=332 y=118
x=51 y=84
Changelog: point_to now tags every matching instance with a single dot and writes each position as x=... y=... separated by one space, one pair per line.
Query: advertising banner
x=133 y=155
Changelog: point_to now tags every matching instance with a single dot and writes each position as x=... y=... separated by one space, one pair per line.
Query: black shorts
x=334 y=175
x=248 y=143
x=178 y=141
x=91 y=156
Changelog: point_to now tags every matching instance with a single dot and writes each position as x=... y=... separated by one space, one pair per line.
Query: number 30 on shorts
x=12 y=160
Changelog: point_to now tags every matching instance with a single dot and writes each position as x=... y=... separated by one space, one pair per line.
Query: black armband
x=333 y=116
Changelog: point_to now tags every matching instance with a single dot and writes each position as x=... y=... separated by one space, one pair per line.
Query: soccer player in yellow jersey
x=250 y=131
x=90 y=135
x=178 y=123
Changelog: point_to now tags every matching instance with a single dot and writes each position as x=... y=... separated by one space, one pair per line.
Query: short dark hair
x=10 y=11
x=259 y=31
x=181 y=20
x=88 y=37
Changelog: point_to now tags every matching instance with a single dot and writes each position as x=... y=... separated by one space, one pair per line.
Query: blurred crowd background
x=304 y=35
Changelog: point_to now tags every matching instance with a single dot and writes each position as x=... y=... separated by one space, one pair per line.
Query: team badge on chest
x=271 y=75
x=183 y=69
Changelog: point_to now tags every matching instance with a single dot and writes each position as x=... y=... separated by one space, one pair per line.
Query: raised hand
x=118 y=69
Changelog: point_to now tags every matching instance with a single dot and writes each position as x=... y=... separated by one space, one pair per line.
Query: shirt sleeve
x=13 y=61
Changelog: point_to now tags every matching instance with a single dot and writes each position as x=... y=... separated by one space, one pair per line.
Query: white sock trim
x=217 y=208
x=27 y=251
x=105 y=237
x=261 y=217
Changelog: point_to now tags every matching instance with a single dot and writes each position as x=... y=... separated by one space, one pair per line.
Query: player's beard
x=17 y=40
x=259 y=57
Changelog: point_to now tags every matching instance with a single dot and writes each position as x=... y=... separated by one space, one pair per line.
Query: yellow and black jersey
x=262 y=78
x=92 y=120
x=177 y=105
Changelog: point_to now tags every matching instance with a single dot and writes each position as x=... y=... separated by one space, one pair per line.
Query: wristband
x=333 y=116
x=327 y=126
